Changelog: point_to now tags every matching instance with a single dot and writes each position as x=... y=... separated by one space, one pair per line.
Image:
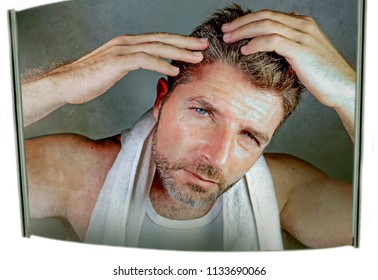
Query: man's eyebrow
x=204 y=103
x=262 y=137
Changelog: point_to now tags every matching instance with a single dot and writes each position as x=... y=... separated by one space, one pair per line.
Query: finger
x=180 y=41
x=273 y=43
x=164 y=51
x=292 y=21
x=263 y=28
x=113 y=42
x=142 y=60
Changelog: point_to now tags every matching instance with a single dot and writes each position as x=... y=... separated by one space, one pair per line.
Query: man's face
x=210 y=133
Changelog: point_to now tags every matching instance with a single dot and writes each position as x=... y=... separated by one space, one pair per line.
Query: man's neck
x=169 y=208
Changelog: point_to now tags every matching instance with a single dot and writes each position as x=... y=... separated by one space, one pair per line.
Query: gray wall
x=71 y=29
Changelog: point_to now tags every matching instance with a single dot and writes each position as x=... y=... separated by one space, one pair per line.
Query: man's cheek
x=241 y=166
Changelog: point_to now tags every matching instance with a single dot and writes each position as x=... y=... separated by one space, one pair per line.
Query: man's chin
x=196 y=203
x=198 y=198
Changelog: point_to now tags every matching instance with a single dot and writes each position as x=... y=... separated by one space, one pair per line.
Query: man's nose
x=218 y=148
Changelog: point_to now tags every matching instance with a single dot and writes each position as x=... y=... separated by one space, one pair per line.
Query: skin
x=215 y=122
x=66 y=172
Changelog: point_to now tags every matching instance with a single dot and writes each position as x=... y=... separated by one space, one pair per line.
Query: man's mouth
x=200 y=180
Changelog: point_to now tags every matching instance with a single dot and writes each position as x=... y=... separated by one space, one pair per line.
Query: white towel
x=251 y=215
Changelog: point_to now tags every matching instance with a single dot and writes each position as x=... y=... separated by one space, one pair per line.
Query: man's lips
x=196 y=179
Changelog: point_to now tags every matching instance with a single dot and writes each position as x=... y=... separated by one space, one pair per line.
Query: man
x=225 y=97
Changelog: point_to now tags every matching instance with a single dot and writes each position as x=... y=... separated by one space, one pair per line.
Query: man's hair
x=267 y=71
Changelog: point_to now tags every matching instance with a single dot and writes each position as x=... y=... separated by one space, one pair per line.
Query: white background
x=39 y=258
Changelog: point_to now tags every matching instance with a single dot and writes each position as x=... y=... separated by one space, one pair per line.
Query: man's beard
x=189 y=194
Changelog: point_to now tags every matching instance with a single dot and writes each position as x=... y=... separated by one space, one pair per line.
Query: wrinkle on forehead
x=224 y=83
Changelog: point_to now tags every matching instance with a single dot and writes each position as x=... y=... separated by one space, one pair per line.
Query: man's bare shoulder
x=314 y=208
x=71 y=153
x=280 y=162
x=289 y=172
x=65 y=176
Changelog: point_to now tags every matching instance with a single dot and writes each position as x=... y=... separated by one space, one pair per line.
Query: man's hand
x=93 y=74
x=319 y=66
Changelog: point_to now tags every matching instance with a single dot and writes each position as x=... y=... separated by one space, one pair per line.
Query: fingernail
x=197 y=54
x=243 y=49
x=204 y=40
x=226 y=36
x=225 y=26
x=175 y=71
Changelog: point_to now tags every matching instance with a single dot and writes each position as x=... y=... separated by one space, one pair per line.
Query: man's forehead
x=227 y=75
x=223 y=83
x=228 y=91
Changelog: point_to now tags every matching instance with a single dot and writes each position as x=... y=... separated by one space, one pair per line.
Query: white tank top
x=202 y=234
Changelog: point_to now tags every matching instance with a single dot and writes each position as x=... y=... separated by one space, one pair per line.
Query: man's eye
x=201 y=111
x=251 y=137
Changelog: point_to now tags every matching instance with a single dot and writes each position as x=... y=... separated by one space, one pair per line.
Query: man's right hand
x=93 y=74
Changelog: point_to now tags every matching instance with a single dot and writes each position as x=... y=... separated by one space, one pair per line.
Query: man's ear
x=161 y=92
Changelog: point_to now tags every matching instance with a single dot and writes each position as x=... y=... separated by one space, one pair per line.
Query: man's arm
x=93 y=74
x=314 y=208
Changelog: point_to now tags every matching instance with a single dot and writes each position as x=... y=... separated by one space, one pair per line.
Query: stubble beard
x=189 y=194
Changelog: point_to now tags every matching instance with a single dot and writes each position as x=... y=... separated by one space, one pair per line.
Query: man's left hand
x=318 y=64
